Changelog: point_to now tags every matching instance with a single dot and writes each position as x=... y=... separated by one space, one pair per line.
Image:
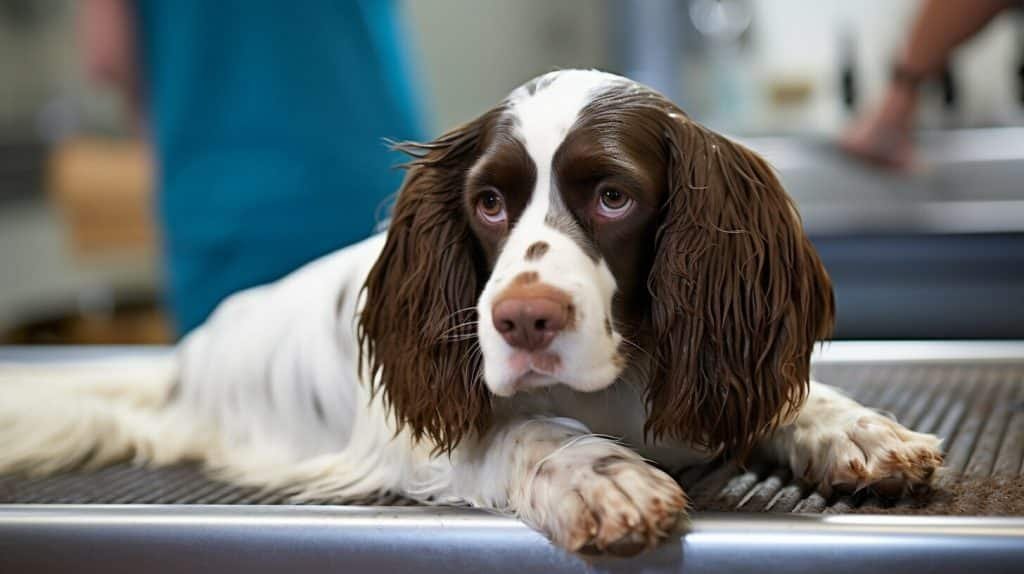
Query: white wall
x=474 y=52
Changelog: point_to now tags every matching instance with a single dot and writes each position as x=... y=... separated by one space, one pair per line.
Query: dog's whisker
x=637 y=347
x=457 y=312
x=460 y=326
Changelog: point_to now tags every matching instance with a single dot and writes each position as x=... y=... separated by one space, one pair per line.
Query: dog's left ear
x=739 y=296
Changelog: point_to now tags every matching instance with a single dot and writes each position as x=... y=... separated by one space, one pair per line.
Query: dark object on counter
x=848 y=87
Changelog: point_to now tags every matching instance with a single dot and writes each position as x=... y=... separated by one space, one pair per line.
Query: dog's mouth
x=539 y=362
x=533 y=370
x=531 y=380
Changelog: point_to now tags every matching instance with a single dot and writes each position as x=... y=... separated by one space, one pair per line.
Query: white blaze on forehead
x=544 y=118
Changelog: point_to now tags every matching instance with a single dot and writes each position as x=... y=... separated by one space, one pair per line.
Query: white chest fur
x=617 y=411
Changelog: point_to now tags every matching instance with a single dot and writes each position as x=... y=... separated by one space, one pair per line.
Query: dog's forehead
x=546 y=108
x=541 y=115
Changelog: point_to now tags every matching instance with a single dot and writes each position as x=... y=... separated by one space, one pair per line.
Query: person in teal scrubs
x=268 y=120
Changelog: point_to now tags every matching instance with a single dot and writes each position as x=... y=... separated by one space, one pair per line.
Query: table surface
x=972 y=393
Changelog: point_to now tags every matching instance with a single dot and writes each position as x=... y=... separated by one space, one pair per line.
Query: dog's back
x=270 y=378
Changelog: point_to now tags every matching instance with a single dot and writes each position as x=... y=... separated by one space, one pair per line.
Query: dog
x=578 y=289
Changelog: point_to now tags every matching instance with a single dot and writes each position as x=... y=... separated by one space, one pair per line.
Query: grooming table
x=123 y=519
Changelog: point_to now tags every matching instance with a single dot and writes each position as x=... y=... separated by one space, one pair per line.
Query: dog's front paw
x=615 y=504
x=865 y=449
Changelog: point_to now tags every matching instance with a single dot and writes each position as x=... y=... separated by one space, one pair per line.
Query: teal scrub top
x=268 y=119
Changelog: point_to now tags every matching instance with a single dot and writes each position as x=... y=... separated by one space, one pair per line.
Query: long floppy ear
x=739 y=296
x=421 y=296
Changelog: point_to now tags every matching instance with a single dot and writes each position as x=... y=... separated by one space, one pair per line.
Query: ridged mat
x=977 y=408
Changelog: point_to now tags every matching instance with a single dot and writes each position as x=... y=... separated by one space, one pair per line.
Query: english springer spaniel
x=578 y=289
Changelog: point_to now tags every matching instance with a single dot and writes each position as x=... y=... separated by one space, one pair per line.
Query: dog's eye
x=491 y=206
x=612 y=203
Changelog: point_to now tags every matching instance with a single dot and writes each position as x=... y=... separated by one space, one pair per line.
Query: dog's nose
x=529 y=323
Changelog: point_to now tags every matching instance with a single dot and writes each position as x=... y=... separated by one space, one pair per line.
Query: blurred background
x=930 y=250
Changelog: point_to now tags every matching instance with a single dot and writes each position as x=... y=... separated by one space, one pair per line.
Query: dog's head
x=583 y=230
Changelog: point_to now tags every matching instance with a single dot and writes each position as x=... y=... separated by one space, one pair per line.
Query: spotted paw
x=611 y=504
x=869 y=451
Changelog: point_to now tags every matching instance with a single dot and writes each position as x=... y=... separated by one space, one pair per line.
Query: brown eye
x=613 y=203
x=491 y=206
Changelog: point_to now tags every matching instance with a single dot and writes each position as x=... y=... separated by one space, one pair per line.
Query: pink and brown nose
x=530 y=313
x=530 y=322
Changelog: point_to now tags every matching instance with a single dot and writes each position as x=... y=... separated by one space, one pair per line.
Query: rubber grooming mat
x=977 y=408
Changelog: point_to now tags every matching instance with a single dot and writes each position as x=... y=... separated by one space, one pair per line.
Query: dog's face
x=583 y=228
x=564 y=204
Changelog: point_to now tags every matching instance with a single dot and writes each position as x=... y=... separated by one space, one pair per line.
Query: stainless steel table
x=258 y=538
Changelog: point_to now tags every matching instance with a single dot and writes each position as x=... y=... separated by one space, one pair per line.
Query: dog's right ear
x=423 y=288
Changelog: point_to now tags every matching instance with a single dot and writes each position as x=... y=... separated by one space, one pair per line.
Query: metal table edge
x=952 y=351
x=841 y=351
x=322 y=538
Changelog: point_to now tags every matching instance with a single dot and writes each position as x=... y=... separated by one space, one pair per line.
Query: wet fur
x=362 y=372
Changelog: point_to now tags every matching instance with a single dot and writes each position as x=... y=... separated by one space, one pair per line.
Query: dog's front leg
x=836 y=443
x=585 y=492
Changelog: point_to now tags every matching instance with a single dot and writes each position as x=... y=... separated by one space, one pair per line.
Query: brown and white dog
x=578 y=282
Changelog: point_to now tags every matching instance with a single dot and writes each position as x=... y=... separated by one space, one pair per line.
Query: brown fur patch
x=526 y=278
x=808 y=470
x=858 y=469
x=602 y=466
x=318 y=408
x=545 y=470
x=894 y=458
x=537 y=250
x=529 y=288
